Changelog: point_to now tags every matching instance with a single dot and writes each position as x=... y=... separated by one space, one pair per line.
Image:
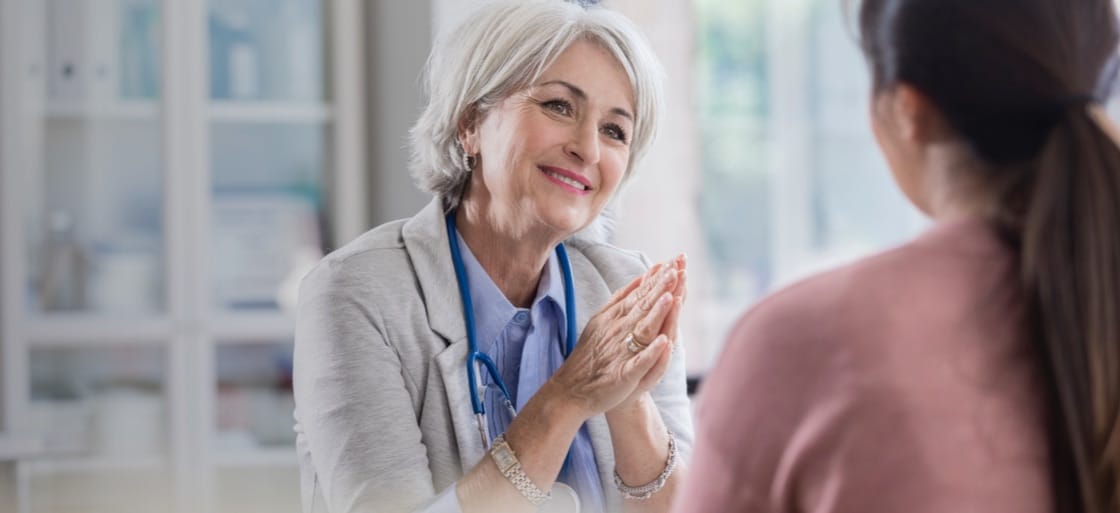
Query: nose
x=584 y=142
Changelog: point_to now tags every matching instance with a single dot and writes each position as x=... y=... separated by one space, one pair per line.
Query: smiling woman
x=552 y=377
x=547 y=160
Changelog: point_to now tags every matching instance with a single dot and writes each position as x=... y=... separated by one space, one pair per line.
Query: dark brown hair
x=1016 y=80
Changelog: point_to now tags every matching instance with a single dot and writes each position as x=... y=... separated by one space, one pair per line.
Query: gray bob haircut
x=502 y=48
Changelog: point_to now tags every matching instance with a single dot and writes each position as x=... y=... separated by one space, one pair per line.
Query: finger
x=644 y=298
x=621 y=294
x=644 y=360
x=671 y=326
x=654 y=375
x=648 y=326
x=681 y=284
x=650 y=279
x=682 y=288
x=630 y=298
x=665 y=282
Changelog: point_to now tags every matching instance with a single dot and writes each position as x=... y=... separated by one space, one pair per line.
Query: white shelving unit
x=14 y=447
x=207 y=174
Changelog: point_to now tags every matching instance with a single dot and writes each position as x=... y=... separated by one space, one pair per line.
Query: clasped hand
x=605 y=371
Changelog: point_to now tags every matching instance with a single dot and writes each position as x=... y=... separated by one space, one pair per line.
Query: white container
x=124 y=281
x=128 y=423
x=64 y=425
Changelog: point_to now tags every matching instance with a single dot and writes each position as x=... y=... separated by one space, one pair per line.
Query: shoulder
x=867 y=321
x=615 y=265
x=944 y=272
x=373 y=262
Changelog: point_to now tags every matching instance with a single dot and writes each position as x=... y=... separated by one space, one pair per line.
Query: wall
x=399 y=40
x=658 y=213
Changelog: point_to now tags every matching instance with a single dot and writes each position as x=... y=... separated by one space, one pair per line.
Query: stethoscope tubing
x=474 y=355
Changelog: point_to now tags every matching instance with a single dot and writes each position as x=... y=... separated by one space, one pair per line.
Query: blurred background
x=169 y=169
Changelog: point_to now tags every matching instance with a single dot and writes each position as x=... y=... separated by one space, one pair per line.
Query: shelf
x=269 y=112
x=220 y=110
x=265 y=327
x=268 y=457
x=69 y=329
x=48 y=467
x=19 y=446
x=118 y=110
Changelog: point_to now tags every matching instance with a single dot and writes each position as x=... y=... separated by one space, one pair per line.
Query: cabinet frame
x=190 y=328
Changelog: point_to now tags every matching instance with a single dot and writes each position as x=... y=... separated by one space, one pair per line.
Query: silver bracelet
x=510 y=466
x=641 y=493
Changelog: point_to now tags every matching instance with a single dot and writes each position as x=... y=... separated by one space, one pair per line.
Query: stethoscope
x=475 y=356
x=564 y=497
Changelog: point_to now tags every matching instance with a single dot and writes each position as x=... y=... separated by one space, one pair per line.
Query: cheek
x=613 y=170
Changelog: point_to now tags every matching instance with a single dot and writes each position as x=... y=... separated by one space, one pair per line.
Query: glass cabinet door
x=269 y=131
x=94 y=213
x=103 y=414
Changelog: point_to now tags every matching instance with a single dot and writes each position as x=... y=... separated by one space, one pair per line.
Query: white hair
x=502 y=48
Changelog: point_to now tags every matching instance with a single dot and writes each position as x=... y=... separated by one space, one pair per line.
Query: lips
x=569 y=178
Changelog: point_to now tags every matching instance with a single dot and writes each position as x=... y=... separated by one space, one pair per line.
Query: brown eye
x=614 y=132
x=561 y=107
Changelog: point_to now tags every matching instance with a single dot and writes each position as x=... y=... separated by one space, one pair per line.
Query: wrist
x=558 y=407
x=637 y=407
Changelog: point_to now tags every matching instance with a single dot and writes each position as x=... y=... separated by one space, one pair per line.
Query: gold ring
x=632 y=343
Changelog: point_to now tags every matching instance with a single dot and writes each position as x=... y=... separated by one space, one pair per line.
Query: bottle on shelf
x=62 y=283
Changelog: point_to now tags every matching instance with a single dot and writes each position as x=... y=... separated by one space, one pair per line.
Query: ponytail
x=1069 y=242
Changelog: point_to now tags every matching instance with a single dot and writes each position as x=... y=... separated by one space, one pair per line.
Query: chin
x=568 y=225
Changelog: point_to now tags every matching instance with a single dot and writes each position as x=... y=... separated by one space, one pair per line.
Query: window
x=785 y=171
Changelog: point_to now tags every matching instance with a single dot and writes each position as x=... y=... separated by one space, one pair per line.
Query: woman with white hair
x=493 y=353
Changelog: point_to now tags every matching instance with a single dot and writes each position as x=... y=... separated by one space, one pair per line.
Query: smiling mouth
x=572 y=182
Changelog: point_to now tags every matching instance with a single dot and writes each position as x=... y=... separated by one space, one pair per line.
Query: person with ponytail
x=976 y=368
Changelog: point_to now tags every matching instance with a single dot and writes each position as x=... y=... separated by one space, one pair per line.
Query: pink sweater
x=901 y=383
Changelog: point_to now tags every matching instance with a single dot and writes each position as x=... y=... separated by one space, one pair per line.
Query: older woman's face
x=551 y=156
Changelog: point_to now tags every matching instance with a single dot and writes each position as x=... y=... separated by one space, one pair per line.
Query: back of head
x=1020 y=81
x=501 y=49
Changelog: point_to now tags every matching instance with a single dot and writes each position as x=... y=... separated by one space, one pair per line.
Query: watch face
x=504 y=457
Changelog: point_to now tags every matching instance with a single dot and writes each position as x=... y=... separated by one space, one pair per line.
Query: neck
x=952 y=187
x=513 y=256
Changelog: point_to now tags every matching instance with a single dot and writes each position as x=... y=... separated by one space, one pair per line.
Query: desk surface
x=19 y=446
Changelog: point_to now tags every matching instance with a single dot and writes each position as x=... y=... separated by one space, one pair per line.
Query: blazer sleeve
x=671 y=398
x=671 y=394
x=358 y=435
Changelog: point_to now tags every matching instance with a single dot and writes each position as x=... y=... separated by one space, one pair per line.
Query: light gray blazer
x=383 y=415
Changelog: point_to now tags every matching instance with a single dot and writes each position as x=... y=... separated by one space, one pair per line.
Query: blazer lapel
x=425 y=239
x=452 y=367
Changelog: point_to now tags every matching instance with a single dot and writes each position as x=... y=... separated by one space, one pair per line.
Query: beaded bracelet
x=644 y=492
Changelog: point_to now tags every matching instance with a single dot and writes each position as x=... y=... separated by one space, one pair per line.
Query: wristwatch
x=510 y=467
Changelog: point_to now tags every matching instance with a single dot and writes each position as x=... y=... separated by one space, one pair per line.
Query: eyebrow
x=583 y=96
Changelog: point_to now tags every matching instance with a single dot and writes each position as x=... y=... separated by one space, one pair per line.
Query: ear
x=468 y=131
x=914 y=115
